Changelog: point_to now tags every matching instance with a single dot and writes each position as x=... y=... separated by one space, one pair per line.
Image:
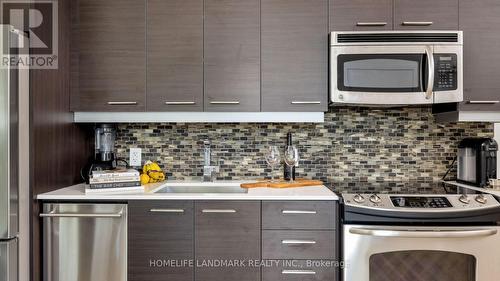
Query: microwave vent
x=396 y=37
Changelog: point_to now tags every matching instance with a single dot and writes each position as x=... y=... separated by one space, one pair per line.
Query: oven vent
x=396 y=37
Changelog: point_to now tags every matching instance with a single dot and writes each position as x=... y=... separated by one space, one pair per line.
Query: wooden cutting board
x=282 y=184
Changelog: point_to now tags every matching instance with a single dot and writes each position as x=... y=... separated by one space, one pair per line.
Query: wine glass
x=273 y=159
x=291 y=157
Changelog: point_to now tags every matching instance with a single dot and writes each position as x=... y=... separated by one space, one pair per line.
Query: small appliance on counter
x=104 y=156
x=477 y=161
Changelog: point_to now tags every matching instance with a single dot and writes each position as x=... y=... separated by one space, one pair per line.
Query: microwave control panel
x=445 y=75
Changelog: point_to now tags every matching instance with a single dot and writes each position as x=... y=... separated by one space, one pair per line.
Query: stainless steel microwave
x=392 y=68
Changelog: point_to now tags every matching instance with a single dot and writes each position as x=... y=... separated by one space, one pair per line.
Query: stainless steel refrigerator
x=9 y=158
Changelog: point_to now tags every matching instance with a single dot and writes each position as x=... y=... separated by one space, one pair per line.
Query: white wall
x=497 y=137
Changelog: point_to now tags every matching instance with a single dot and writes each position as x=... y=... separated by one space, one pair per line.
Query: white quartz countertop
x=77 y=192
x=494 y=192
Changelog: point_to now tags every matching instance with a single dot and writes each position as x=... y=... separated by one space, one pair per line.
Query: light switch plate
x=135 y=159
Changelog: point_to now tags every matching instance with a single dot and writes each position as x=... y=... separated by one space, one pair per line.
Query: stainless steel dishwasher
x=84 y=242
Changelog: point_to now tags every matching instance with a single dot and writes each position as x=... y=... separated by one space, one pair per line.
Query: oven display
x=420 y=202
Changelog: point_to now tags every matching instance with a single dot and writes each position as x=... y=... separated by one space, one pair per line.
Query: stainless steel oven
x=396 y=67
x=380 y=253
x=421 y=237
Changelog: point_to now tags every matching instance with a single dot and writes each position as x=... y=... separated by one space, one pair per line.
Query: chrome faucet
x=209 y=172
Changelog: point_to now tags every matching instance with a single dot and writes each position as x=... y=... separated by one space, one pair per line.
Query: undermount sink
x=202 y=188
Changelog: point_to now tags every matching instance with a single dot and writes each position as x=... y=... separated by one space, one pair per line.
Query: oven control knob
x=464 y=199
x=358 y=198
x=375 y=199
x=481 y=199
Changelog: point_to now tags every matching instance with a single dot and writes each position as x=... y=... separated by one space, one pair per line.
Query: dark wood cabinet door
x=347 y=15
x=294 y=55
x=426 y=14
x=158 y=232
x=479 y=20
x=227 y=230
x=112 y=62
x=232 y=55
x=175 y=55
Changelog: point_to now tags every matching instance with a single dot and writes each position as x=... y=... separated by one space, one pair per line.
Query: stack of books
x=120 y=179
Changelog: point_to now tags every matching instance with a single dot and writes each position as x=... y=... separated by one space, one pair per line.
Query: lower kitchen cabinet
x=298 y=244
x=164 y=233
x=227 y=230
x=301 y=270
x=158 y=232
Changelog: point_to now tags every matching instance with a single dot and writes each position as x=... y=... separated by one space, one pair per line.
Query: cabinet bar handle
x=166 y=211
x=221 y=211
x=179 y=102
x=418 y=23
x=298 y=242
x=224 y=102
x=306 y=102
x=483 y=101
x=371 y=23
x=298 y=212
x=122 y=103
x=300 y=272
x=53 y=214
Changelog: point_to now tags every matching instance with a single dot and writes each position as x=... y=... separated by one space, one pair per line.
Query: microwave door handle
x=430 y=69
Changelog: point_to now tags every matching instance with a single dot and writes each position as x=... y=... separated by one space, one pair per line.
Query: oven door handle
x=430 y=69
x=424 y=234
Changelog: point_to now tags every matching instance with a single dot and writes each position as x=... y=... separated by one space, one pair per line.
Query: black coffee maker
x=104 y=158
x=477 y=161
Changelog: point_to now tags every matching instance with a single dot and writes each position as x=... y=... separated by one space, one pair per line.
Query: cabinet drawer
x=295 y=270
x=278 y=244
x=299 y=215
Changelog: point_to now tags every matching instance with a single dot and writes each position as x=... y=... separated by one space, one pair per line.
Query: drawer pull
x=418 y=23
x=180 y=102
x=305 y=102
x=483 y=102
x=219 y=211
x=298 y=212
x=166 y=211
x=298 y=242
x=122 y=103
x=299 y=272
x=224 y=102
x=371 y=24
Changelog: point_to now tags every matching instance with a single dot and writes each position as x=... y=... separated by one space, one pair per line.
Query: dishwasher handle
x=53 y=214
x=424 y=234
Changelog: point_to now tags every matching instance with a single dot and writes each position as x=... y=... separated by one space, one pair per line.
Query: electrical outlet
x=135 y=157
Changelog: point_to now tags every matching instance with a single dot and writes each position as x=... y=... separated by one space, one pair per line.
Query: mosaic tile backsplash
x=401 y=145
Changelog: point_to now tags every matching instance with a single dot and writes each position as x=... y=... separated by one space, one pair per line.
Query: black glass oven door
x=382 y=73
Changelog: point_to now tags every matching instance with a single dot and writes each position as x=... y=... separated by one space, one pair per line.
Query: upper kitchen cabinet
x=426 y=14
x=348 y=15
x=479 y=19
x=111 y=56
x=294 y=55
x=175 y=55
x=232 y=55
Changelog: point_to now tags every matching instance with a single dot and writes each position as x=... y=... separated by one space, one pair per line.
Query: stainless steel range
x=421 y=237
